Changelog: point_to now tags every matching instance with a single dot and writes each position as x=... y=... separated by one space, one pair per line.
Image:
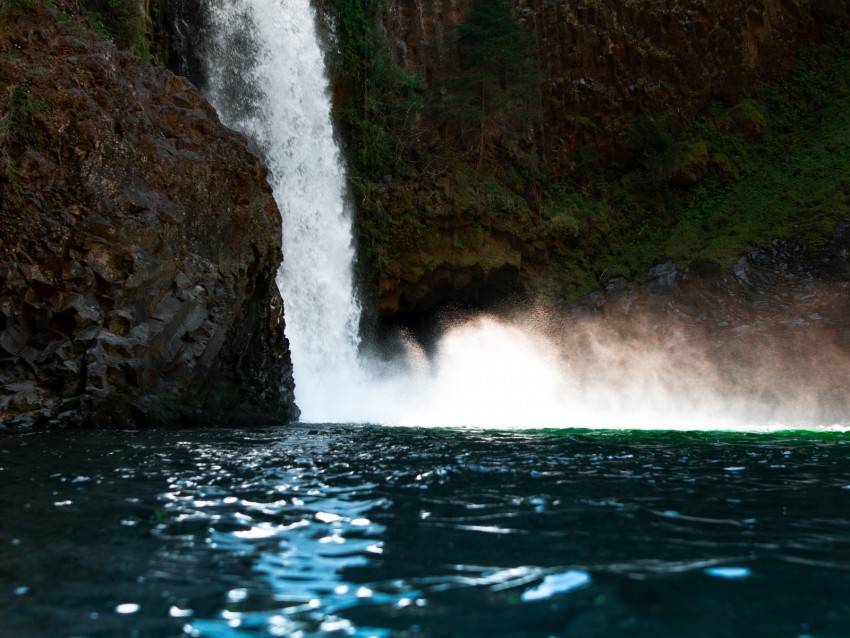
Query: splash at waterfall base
x=763 y=345
x=555 y=373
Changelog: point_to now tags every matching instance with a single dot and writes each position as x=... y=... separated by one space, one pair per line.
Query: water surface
x=371 y=531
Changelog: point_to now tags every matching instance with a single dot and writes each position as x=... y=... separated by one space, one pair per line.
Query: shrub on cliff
x=381 y=100
x=498 y=83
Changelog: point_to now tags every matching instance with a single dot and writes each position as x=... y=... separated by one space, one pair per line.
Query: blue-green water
x=370 y=531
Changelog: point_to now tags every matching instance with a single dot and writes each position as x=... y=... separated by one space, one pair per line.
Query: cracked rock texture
x=139 y=245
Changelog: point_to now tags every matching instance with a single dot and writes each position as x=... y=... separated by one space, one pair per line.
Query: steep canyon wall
x=605 y=161
x=604 y=63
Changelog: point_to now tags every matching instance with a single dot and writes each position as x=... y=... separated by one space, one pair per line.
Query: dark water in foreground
x=369 y=531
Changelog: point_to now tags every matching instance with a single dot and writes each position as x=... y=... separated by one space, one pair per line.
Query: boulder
x=140 y=244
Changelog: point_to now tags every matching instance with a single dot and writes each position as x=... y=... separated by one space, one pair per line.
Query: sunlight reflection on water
x=334 y=530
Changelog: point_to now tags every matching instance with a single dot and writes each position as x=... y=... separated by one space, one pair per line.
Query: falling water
x=266 y=78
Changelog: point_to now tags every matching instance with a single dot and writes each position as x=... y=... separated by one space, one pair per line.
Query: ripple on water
x=328 y=531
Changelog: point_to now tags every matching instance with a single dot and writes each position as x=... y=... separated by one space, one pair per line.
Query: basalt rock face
x=605 y=62
x=140 y=245
x=607 y=59
x=605 y=65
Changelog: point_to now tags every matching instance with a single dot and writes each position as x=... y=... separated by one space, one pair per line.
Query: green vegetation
x=790 y=145
x=800 y=190
x=125 y=22
x=498 y=81
x=776 y=164
x=130 y=24
x=381 y=102
x=407 y=167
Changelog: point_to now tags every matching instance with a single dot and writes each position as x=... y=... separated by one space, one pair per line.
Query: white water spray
x=266 y=78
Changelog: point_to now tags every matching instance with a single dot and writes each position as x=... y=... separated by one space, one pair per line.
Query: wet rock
x=141 y=289
x=662 y=278
x=13 y=339
x=83 y=310
x=590 y=304
x=615 y=289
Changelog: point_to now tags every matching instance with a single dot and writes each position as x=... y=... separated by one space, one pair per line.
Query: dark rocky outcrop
x=777 y=285
x=139 y=244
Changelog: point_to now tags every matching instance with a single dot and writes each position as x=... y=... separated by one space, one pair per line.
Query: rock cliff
x=604 y=62
x=139 y=244
x=645 y=112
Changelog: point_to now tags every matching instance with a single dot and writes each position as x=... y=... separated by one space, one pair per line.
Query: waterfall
x=263 y=70
x=265 y=75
